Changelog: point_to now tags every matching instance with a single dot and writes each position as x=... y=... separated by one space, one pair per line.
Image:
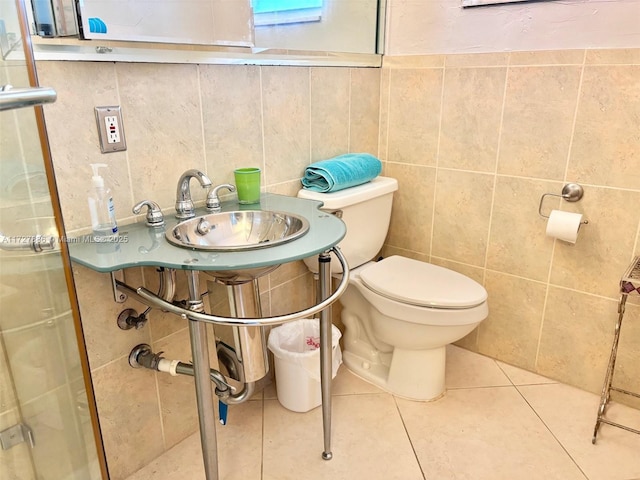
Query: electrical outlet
x=110 y=129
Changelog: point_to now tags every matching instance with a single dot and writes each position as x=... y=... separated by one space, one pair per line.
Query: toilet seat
x=422 y=284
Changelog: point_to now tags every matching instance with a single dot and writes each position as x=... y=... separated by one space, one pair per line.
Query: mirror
x=280 y=30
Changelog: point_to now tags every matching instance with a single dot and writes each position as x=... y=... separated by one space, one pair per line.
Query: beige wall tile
x=163 y=123
x=461 y=219
x=476 y=60
x=61 y=447
x=470 y=128
x=412 y=211
x=413 y=61
x=231 y=118
x=289 y=188
x=385 y=105
x=547 y=57
x=389 y=250
x=73 y=136
x=414 y=115
x=35 y=357
x=364 y=110
x=586 y=320
x=127 y=400
x=602 y=252
x=105 y=341
x=606 y=145
x=329 y=112
x=292 y=296
x=618 y=56
x=518 y=243
x=177 y=394
x=511 y=331
x=470 y=271
x=286 y=272
x=286 y=104
x=8 y=400
x=538 y=118
x=16 y=463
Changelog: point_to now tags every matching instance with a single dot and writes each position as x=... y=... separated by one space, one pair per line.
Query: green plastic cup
x=248 y=185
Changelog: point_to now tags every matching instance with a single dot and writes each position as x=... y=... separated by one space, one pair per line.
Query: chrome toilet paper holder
x=571 y=192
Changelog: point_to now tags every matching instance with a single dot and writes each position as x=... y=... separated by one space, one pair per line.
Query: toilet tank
x=366 y=211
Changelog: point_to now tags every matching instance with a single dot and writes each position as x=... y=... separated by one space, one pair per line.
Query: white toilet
x=399 y=314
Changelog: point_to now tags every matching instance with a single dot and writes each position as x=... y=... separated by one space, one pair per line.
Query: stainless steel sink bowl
x=238 y=230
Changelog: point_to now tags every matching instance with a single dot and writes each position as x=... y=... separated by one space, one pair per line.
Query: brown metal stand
x=630 y=283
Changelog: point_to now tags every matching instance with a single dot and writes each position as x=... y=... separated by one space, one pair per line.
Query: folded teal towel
x=341 y=172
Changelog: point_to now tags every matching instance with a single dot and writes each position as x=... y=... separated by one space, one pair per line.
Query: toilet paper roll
x=564 y=225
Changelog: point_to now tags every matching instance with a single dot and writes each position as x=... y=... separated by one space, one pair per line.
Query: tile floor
x=495 y=422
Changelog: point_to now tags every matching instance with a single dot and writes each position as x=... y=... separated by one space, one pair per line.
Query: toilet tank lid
x=350 y=196
x=423 y=284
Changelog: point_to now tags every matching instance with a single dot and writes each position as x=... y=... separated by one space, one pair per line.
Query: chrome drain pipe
x=143 y=357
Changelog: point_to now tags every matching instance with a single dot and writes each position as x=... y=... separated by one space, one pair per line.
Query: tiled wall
x=215 y=118
x=475 y=141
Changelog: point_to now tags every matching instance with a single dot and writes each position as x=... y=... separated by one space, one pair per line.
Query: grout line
x=126 y=152
x=636 y=246
x=522 y=177
x=551 y=433
x=495 y=174
x=481 y=387
x=264 y=155
x=263 y=440
x=575 y=117
x=435 y=179
x=202 y=130
x=310 y=92
x=404 y=425
x=387 y=126
x=350 y=89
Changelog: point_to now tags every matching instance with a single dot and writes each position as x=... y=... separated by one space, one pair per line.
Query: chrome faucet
x=184 y=204
x=213 y=200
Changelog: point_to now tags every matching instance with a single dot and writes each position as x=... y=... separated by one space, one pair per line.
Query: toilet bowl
x=399 y=314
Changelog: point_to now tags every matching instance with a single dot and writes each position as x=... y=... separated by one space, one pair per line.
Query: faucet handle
x=213 y=200
x=154 y=214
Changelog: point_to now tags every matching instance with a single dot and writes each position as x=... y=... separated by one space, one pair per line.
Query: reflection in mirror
x=317 y=25
x=281 y=29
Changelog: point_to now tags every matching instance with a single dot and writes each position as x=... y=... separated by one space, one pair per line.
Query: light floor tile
x=571 y=415
x=484 y=428
x=465 y=369
x=239 y=446
x=484 y=433
x=369 y=442
x=347 y=383
x=518 y=376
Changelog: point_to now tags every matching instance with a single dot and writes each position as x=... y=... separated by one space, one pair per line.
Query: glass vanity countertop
x=140 y=245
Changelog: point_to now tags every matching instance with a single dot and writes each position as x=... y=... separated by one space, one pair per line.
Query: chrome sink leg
x=324 y=264
x=204 y=394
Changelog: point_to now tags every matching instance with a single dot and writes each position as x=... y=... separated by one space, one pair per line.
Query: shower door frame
x=65 y=260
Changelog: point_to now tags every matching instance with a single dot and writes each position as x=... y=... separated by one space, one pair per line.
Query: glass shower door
x=46 y=427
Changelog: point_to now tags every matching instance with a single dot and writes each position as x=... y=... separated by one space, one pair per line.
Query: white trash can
x=295 y=347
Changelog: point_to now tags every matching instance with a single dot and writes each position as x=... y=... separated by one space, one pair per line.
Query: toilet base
x=411 y=374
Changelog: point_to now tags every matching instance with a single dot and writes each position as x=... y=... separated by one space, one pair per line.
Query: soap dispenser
x=103 y=215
